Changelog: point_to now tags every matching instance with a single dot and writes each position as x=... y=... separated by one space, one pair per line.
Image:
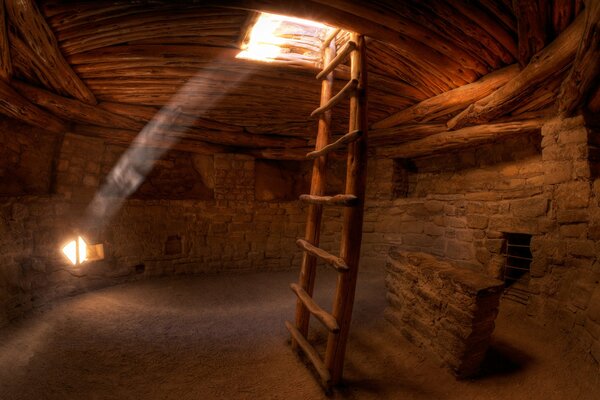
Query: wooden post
x=353 y=216
x=317 y=188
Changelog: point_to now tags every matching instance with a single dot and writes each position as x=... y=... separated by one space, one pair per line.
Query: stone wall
x=193 y=214
x=448 y=310
x=462 y=206
x=26 y=160
x=456 y=206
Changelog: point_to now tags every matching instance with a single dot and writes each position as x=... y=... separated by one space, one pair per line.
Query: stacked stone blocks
x=448 y=310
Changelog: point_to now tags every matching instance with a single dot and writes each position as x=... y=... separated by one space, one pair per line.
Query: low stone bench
x=445 y=309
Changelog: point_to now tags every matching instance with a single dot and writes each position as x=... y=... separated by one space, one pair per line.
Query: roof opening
x=281 y=38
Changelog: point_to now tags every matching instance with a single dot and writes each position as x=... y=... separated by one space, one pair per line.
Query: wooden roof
x=104 y=68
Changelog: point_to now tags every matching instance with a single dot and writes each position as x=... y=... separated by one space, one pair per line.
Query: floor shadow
x=503 y=359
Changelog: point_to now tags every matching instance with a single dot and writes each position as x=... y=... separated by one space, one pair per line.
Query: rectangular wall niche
x=517 y=264
x=404 y=177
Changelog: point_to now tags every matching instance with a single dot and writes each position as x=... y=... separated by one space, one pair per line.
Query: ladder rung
x=348 y=200
x=337 y=262
x=311 y=353
x=341 y=95
x=340 y=58
x=347 y=138
x=330 y=37
x=326 y=319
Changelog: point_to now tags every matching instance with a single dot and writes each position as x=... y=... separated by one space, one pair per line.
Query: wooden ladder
x=338 y=322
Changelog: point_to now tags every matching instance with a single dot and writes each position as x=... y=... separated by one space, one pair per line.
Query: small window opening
x=280 y=38
x=78 y=251
x=517 y=265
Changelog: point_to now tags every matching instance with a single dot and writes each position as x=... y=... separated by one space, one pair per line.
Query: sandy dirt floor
x=223 y=337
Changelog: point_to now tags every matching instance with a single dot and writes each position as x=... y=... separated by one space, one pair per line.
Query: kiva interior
x=256 y=199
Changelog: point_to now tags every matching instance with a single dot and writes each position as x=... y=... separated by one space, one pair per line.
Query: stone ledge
x=446 y=309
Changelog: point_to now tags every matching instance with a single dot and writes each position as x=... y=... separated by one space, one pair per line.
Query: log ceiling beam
x=451 y=101
x=16 y=106
x=125 y=137
x=450 y=140
x=531 y=27
x=444 y=67
x=553 y=59
x=5 y=62
x=416 y=38
x=75 y=110
x=585 y=71
x=146 y=113
x=562 y=15
x=26 y=18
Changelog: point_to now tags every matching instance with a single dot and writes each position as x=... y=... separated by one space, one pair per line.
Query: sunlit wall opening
x=78 y=251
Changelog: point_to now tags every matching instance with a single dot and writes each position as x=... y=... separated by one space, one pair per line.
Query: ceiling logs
x=16 y=106
x=585 y=72
x=146 y=113
x=25 y=16
x=531 y=27
x=548 y=62
x=75 y=110
x=450 y=140
x=451 y=101
x=5 y=62
x=125 y=137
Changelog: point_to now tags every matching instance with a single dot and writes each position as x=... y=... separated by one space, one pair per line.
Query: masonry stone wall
x=462 y=205
x=192 y=214
x=448 y=310
x=201 y=214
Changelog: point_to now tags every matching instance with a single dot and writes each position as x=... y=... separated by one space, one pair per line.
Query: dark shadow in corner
x=502 y=359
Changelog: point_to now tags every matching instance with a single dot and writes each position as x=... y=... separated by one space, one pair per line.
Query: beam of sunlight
x=137 y=162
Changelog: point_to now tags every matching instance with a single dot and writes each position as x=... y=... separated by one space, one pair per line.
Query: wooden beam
x=404 y=133
x=27 y=19
x=312 y=231
x=562 y=15
x=451 y=101
x=146 y=113
x=347 y=200
x=311 y=353
x=336 y=262
x=531 y=26
x=342 y=14
x=351 y=238
x=339 y=58
x=331 y=36
x=298 y=154
x=16 y=106
x=548 y=62
x=75 y=110
x=450 y=140
x=5 y=62
x=586 y=68
x=343 y=94
x=316 y=310
x=125 y=137
x=490 y=24
x=342 y=141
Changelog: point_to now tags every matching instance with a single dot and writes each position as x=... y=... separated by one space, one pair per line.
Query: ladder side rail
x=315 y=211
x=353 y=217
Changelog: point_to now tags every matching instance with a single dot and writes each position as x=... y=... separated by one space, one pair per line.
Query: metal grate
x=518 y=257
